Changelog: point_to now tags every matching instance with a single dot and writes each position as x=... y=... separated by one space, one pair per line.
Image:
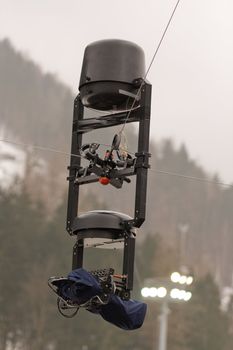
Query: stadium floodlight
x=175 y=277
x=174 y=293
x=189 y=280
x=145 y=292
x=183 y=279
x=180 y=294
x=187 y=296
x=153 y=292
x=162 y=292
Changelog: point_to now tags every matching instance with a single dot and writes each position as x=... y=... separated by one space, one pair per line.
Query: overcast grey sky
x=192 y=75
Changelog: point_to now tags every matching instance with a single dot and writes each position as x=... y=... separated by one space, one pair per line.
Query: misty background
x=188 y=222
x=192 y=75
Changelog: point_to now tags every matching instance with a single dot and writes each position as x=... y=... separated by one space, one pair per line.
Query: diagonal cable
x=150 y=65
x=161 y=172
x=40 y=148
x=189 y=177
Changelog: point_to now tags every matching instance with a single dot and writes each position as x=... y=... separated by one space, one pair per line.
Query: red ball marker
x=104 y=180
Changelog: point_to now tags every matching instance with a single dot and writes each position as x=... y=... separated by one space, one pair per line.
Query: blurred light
x=183 y=279
x=174 y=293
x=182 y=294
x=189 y=280
x=175 y=277
x=188 y=296
x=145 y=292
x=153 y=292
x=161 y=292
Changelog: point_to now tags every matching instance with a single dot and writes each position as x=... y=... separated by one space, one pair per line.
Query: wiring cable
x=194 y=178
x=149 y=67
x=161 y=172
x=41 y=148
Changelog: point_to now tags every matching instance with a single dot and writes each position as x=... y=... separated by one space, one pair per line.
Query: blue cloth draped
x=125 y=314
x=80 y=286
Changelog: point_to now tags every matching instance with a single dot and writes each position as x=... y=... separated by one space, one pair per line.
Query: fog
x=192 y=75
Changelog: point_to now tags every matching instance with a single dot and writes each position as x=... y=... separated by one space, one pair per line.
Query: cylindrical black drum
x=111 y=74
x=101 y=229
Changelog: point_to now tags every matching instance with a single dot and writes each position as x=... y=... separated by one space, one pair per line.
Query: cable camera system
x=112 y=80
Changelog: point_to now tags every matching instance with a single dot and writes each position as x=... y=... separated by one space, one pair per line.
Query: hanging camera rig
x=106 y=225
x=112 y=80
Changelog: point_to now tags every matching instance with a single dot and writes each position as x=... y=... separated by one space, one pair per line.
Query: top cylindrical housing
x=111 y=71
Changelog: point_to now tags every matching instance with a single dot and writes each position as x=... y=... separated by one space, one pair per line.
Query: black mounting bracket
x=139 y=168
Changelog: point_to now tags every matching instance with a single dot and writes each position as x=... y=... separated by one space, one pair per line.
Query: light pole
x=165 y=291
x=183 y=240
x=163 y=323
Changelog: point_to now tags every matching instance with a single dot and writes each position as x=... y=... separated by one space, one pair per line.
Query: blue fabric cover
x=81 y=286
x=126 y=314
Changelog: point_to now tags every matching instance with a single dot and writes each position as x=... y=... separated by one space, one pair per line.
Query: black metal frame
x=140 y=167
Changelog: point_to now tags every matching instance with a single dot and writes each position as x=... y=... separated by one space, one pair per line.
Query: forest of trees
x=34 y=247
x=188 y=222
x=41 y=113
